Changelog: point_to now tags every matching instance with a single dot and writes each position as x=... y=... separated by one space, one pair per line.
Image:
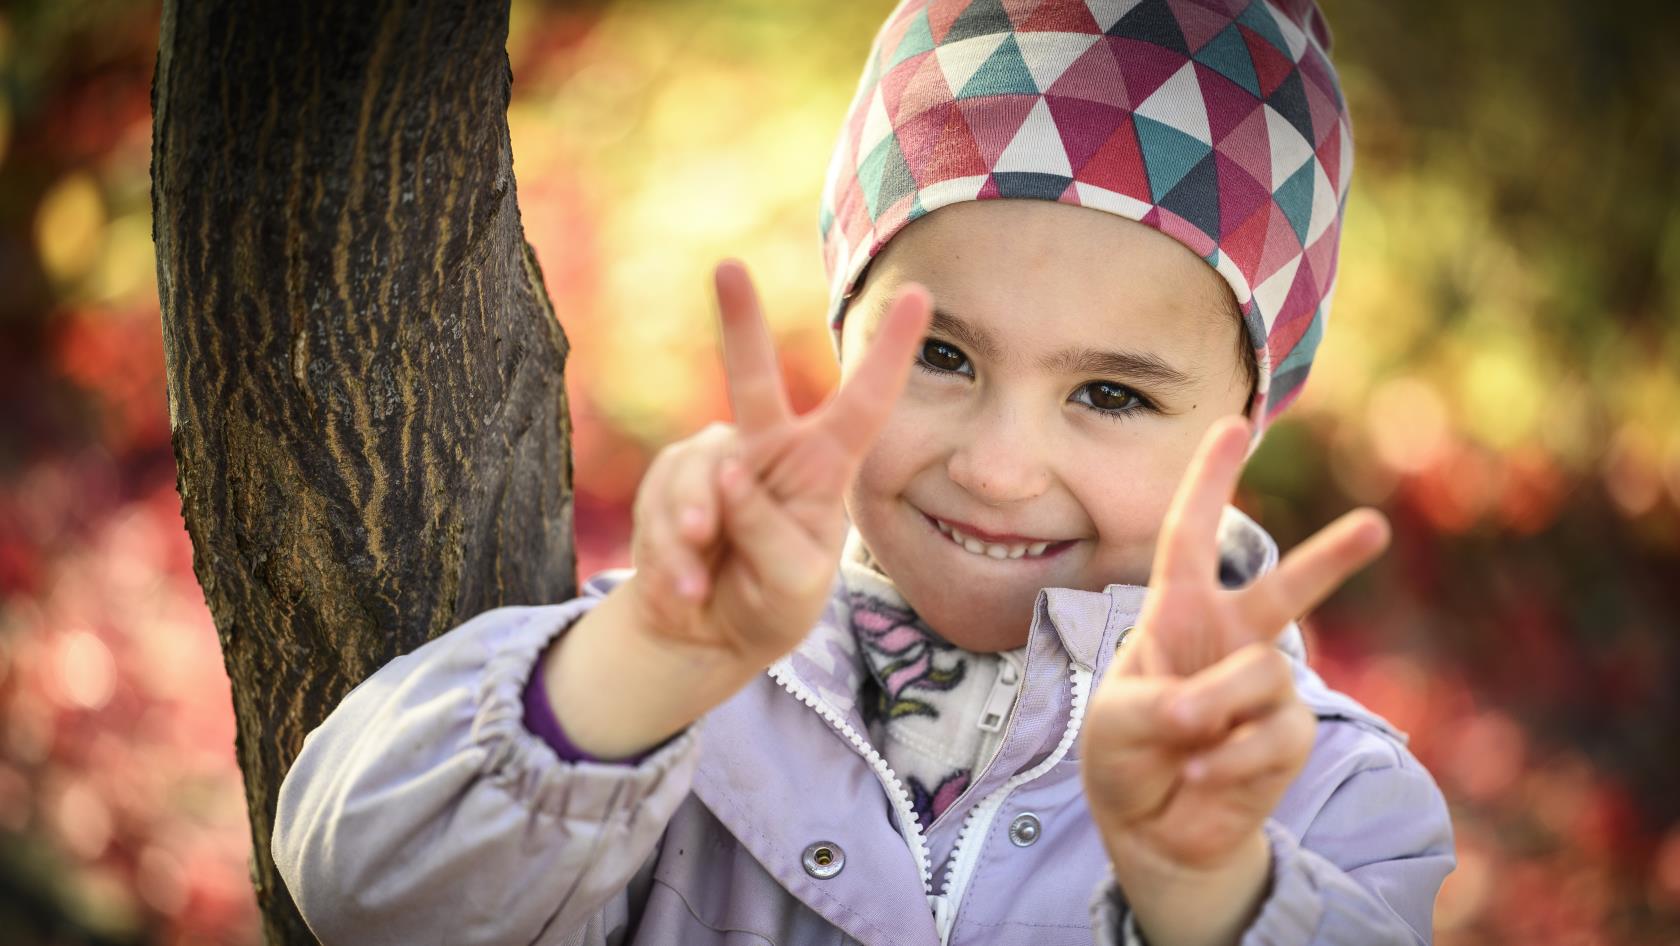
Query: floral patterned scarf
x=935 y=711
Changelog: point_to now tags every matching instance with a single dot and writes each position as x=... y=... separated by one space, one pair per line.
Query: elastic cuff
x=1292 y=910
x=1112 y=921
x=528 y=766
x=1290 y=913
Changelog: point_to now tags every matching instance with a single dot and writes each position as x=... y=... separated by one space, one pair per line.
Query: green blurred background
x=1501 y=375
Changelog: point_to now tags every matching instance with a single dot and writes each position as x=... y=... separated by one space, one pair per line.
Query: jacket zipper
x=996 y=711
x=909 y=826
x=965 y=854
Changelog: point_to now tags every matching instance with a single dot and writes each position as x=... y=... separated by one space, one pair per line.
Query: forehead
x=1042 y=274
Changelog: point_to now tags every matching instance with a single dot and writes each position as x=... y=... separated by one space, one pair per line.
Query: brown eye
x=944 y=357
x=1110 y=397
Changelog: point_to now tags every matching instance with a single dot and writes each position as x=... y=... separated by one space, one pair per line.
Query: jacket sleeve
x=1363 y=872
x=422 y=811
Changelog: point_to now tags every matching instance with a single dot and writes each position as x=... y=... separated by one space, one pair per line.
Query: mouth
x=1031 y=550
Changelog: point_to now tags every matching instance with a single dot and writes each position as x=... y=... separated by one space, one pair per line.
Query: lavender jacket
x=423 y=811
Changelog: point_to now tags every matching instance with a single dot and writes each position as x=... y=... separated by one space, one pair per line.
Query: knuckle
x=717 y=438
x=1273 y=662
x=661 y=518
x=662 y=459
x=1227 y=771
x=692 y=483
x=711 y=433
x=1307 y=725
x=1241 y=758
x=656 y=481
x=660 y=560
x=1300 y=732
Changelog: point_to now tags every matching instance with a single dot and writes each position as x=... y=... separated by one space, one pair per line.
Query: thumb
x=1127 y=763
x=1129 y=711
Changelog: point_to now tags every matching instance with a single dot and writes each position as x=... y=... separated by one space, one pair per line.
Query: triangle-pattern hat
x=1219 y=122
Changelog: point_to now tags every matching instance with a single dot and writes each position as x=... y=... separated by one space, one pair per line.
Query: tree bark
x=365 y=374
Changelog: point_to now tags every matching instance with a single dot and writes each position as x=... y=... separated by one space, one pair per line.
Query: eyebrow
x=1142 y=366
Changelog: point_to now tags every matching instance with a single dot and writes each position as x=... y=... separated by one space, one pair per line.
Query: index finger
x=860 y=408
x=751 y=370
x=1314 y=569
x=1188 y=549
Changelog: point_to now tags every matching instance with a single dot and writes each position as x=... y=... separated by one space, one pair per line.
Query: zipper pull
x=1001 y=698
x=941 y=914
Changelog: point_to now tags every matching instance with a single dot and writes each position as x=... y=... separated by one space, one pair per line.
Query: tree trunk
x=365 y=374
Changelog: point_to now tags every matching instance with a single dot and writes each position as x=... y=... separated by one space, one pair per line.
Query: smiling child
x=977 y=651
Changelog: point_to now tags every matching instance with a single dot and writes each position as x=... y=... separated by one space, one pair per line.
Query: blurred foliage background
x=1499 y=375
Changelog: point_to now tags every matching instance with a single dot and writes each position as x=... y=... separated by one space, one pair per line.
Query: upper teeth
x=995 y=550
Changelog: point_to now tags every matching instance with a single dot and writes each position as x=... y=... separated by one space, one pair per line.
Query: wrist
x=1202 y=905
x=618 y=689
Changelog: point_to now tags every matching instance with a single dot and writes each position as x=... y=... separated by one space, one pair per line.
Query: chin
x=989 y=643
x=935 y=580
x=957 y=625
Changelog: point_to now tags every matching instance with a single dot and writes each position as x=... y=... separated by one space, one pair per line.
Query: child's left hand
x=1196 y=729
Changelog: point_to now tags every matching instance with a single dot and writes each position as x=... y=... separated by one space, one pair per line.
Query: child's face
x=1008 y=441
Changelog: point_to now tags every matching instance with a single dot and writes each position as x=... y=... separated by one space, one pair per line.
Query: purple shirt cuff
x=540 y=719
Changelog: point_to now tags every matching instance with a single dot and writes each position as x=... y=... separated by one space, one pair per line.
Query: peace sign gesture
x=739 y=528
x=1189 y=621
x=1196 y=730
x=738 y=533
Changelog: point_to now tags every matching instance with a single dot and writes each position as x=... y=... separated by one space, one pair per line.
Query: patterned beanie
x=1218 y=122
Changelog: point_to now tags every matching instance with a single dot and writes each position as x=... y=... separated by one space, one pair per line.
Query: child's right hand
x=738 y=534
x=738 y=529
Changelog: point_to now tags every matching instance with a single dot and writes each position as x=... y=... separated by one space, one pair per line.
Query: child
x=1021 y=688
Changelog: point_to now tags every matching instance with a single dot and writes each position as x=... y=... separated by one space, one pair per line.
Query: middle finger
x=1312 y=570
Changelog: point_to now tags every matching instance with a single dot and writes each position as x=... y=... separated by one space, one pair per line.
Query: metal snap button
x=1124 y=634
x=1024 y=830
x=824 y=859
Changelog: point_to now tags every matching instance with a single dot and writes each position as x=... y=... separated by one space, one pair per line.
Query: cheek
x=904 y=445
x=1127 y=503
x=882 y=475
x=1125 y=516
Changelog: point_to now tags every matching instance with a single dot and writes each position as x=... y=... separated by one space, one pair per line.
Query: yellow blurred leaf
x=70 y=226
x=127 y=270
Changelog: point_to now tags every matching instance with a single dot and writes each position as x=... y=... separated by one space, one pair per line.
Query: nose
x=999 y=460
